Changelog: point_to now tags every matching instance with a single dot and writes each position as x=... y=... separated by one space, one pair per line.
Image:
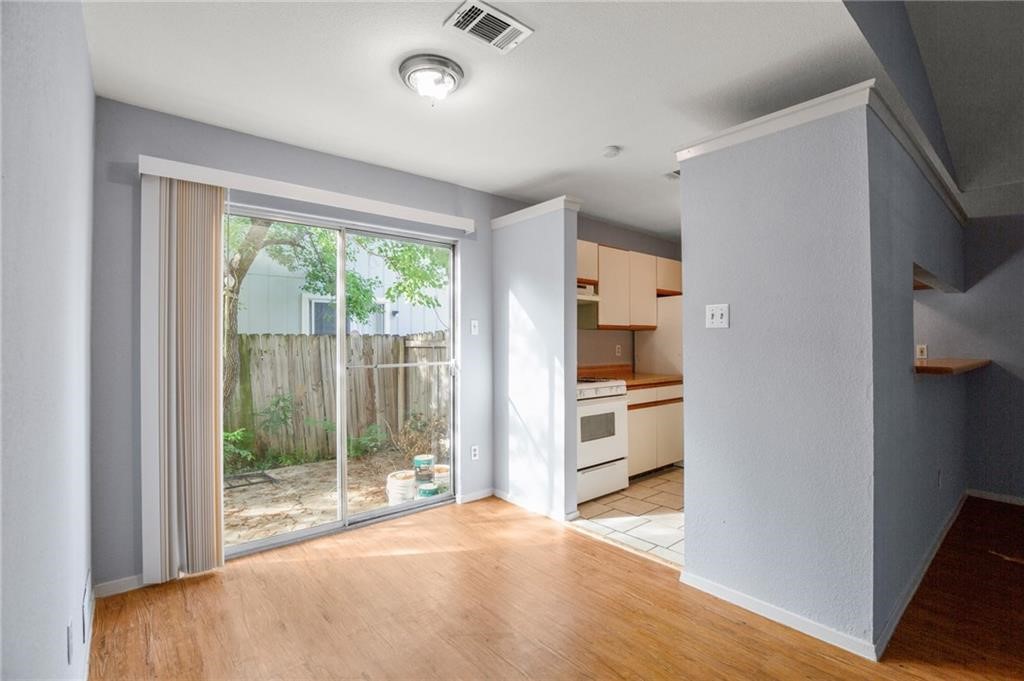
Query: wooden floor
x=487 y=591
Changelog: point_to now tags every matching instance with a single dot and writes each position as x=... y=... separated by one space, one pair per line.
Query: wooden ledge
x=949 y=366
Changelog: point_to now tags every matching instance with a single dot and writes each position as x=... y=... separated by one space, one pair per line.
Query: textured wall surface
x=47 y=201
x=123 y=133
x=535 y=362
x=779 y=406
x=919 y=421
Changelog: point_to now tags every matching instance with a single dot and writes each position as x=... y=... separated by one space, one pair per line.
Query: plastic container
x=401 y=487
x=428 y=489
x=423 y=464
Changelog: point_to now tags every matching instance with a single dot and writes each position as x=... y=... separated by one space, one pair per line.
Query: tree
x=312 y=251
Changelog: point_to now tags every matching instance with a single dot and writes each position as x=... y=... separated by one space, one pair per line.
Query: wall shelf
x=949 y=366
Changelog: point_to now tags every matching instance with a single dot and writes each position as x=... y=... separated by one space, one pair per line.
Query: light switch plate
x=474 y=327
x=921 y=352
x=716 y=316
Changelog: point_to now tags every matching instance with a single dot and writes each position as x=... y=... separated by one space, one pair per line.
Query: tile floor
x=647 y=516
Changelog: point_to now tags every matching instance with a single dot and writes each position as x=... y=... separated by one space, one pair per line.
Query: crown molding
x=889 y=108
x=558 y=203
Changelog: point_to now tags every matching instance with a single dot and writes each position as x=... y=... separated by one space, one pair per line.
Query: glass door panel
x=398 y=376
x=280 y=363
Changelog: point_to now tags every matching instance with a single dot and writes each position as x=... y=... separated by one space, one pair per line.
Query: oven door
x=601 y=431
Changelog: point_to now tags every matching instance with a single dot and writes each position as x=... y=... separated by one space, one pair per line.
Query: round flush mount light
x=611 y=151
x=431 y=75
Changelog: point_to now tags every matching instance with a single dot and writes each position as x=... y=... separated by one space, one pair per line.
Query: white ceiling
x=530 y=125
x=974 y=55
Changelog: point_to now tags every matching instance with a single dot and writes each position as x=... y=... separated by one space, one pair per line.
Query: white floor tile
x=619 y=521
x=667 y=554
x=662 y=535
x=591 y=526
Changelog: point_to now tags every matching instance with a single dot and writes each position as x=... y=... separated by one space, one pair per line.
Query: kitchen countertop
x=626 y=373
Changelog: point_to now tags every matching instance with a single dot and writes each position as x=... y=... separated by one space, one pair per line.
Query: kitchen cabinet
x=669 y=419
x=643 y=291
x=643 y=440
x=670 y=277
x=613 y=288
x=586 y=262
x=655 y=420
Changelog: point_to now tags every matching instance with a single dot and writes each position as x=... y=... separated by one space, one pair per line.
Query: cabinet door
x=613 y=273
x=643 y=440
x=670 y=277
x=586 y=262
x=643 y=290
x=670 y=433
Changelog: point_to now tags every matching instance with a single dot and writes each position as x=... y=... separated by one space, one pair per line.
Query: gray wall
x=534 y=362
x=610 y=234
x=986 y=320
x=919 y=422
x=47 y=201
x=886 y=26
x=779 y=414
x=122 y=133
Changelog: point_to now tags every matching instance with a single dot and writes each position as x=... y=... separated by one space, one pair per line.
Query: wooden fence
x=294 y=376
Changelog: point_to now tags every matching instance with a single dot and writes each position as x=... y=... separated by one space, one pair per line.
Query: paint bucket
x=443 y=476
x=428 y=489
x=423 y=464
x=401 y=487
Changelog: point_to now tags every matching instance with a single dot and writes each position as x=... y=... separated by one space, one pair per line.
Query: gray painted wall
x=779 y=414
x=919 y=422
x=886 y=26
x=122 y=133
x=986 y=320
x=611 y=234
x=597 y=346
x=534 y=285
x=47 y=201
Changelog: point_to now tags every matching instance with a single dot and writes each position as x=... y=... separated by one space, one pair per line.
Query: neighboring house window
x=319 y=315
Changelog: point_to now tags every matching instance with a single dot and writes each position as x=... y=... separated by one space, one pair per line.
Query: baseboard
x=992 y=496
x=882 y=640
x=857 y=646
x=473 y=496
x=117 y=586
x=560 y=516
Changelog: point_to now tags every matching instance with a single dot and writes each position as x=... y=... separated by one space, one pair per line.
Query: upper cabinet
x=628 y=285
x=586 y=262
x=670 y=277
x=613 y=288
x=643 y=294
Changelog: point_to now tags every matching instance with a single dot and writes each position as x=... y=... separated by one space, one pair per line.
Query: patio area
x=302 y=496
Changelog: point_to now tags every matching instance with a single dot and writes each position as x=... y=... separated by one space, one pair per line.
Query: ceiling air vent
x=487 y=24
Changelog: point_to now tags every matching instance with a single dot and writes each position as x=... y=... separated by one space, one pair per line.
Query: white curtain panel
x=180 y=356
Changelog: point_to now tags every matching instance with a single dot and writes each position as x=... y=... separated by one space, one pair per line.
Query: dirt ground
x=304 y=496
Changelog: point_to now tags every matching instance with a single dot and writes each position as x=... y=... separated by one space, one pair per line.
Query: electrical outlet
x=474 y=452
x=716 y=316
x=618 y=351
x=921 y=352
x=474 y=327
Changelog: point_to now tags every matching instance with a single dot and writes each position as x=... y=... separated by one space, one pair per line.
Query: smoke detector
x=490 y=26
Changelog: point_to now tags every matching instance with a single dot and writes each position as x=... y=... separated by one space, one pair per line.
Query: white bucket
x=443 y=476
x=401 y=487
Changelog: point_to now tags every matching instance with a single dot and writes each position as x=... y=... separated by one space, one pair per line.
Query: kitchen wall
x=534 y=288
x=779 y=434
x=47 y=134
x=122 y=133
x=595 y=347
x=611 y=234
x=986 y=321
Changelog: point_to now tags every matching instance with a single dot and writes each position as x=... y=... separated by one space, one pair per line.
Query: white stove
x=602 y=443
x=589 y=388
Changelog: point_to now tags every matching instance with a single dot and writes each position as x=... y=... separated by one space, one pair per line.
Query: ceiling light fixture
x=612 y=151
x=431 y=75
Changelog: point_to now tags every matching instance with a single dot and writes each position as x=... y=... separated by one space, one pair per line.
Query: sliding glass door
x=337 y=377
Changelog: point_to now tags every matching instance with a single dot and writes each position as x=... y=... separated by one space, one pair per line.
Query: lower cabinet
x=655 y=436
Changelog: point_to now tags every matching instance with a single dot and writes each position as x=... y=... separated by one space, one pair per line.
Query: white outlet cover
x=922 y=352
x=474 y=452
x=474 y=327
x=716 y=316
